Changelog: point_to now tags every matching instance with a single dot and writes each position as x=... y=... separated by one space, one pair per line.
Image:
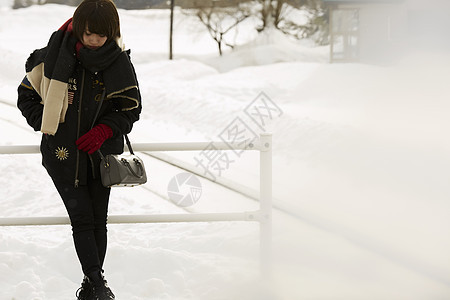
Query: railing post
x=265 y=198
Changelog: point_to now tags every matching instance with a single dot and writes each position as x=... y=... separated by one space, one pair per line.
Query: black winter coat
x=60 y=156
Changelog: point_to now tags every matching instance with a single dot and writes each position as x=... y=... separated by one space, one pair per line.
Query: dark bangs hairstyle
x=98 y=16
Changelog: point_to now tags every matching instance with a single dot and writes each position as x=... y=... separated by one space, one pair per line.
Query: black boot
x=85 y=291
x=100 y=289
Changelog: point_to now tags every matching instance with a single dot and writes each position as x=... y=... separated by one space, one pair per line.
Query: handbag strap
x=129 y=144
x=99 y=106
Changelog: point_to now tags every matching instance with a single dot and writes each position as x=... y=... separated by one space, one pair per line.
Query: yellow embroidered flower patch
x=61 y=153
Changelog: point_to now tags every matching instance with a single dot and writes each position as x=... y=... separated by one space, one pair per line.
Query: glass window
x=345 y=32
x=345 y=20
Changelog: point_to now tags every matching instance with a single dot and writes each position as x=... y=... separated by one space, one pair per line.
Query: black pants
x=88 y=209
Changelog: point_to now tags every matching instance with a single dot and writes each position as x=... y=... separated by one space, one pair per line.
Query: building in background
x=379 y=31
x=366 y=30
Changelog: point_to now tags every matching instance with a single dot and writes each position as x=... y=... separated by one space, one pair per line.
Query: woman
x=83 y=61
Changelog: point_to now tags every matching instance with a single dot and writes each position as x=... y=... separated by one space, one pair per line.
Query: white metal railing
x=263 y=215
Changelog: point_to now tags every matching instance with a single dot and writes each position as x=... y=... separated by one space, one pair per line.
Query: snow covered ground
x=360 y=163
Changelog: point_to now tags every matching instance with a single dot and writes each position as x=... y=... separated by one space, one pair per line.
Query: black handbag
x=126 y=170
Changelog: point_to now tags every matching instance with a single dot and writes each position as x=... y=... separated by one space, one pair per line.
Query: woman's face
x=93 y=40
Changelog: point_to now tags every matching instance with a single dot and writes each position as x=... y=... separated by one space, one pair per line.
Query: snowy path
x=173 y=258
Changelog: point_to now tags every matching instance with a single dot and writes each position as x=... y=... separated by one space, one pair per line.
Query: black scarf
x=99 y=59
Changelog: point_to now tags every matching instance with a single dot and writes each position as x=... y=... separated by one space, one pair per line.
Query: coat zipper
x=90 y=156
x=92 y=166
x=77 y=181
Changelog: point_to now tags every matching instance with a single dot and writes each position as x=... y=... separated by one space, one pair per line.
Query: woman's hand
x=94 y=138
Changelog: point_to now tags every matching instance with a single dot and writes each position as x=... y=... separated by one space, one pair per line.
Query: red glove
x=94 y=138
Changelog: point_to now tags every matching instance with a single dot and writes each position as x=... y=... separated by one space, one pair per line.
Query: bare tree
x=316 y=28
x=221 y=20
x=275 y=13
